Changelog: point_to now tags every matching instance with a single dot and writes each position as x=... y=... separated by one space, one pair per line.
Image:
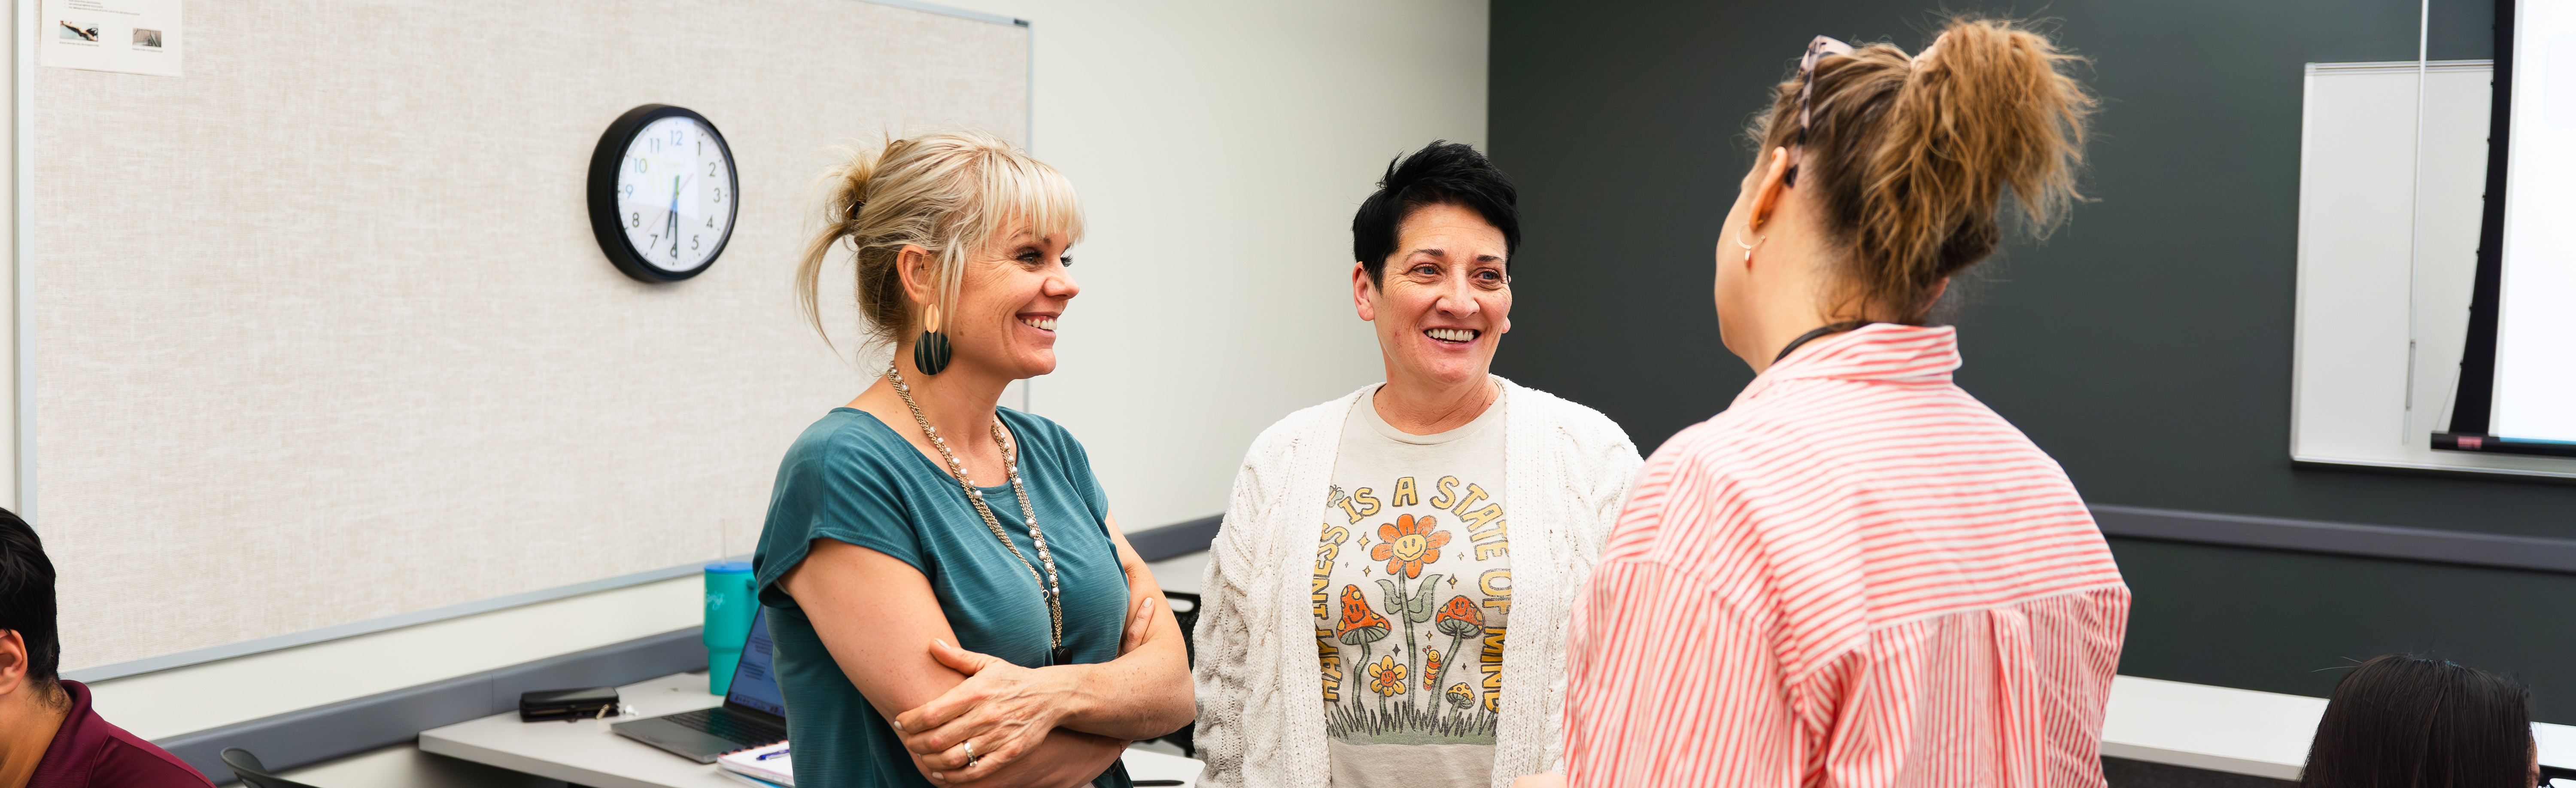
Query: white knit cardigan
x=1261 y=706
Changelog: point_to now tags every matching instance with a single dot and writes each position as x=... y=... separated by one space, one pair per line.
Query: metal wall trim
x=2461 y=548
x=355 y=628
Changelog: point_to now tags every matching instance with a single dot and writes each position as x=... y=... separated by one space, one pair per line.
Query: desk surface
x=586 y=752
x=2243 y=731
x=2230 y=730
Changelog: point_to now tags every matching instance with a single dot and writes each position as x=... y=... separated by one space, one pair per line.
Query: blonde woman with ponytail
x=1858 y=574
x=950 y=600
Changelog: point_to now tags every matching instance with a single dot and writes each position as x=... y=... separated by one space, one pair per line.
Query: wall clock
x=662 y=193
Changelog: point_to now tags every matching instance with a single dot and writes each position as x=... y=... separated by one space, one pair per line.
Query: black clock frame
x=611 y=155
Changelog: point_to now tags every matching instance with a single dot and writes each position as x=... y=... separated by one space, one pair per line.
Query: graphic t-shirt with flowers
x=1411 y=591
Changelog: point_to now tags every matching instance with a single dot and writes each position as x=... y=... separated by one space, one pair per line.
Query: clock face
x=674 y=193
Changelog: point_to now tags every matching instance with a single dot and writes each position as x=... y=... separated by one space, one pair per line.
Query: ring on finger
x=971 y=757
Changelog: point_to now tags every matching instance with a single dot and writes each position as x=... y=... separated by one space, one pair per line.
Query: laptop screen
x=754 y=685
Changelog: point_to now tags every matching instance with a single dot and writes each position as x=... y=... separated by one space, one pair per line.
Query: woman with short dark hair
x=1371 y=650
x=2407 y=721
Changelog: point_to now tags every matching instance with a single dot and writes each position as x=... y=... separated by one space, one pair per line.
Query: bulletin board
x=322 y=334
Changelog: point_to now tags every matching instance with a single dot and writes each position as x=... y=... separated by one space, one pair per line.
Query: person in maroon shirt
x=49 y=737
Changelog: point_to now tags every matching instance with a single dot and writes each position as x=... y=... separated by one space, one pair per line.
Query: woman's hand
x=865 y=605
x=1069 y=759
x=1000 y=713
x=1140 y=625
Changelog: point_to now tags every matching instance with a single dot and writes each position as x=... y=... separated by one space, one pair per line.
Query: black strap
x=1834 y=328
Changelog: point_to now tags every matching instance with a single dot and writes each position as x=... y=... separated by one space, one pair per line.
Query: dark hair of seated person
x=2408 y=721
x=27 y=601
x=1441 y=173
x=49 y=734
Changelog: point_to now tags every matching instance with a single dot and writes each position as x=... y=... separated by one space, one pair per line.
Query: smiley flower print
x=1408 y=543
x=1410 y=593
x=1386 y=677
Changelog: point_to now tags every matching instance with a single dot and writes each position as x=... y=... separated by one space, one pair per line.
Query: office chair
x=1185 y=608
x=254 y=775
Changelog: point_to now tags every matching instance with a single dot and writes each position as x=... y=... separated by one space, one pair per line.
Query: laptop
x=753 y=714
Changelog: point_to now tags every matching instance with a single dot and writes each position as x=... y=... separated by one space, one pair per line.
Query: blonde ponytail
x=950 y=193
x=1912 y=159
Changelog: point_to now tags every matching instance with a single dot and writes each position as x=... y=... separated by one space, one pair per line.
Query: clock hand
x=673 y=216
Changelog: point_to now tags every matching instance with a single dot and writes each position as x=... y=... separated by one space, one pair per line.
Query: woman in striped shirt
x=1858 y=574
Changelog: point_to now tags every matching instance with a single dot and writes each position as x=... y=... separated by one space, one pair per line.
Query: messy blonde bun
x=1911 y=157
x=950 y=193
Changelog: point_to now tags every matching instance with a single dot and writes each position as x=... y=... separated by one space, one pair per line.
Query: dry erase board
x=322 y=334
x=2387 y=252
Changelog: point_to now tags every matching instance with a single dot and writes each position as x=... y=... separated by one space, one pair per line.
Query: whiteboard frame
x=2353 y=401
x=23 y=220
x=23 y=92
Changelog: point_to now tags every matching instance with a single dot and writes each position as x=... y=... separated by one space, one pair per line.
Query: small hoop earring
x=1748 y=247
x=931 y=353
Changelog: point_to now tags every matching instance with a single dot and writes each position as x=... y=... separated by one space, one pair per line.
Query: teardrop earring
x=931 y=352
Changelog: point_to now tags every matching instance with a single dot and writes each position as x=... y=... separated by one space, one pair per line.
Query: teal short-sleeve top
x=851 y=478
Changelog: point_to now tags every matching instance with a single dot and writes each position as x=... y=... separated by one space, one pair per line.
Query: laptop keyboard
x=714 y=722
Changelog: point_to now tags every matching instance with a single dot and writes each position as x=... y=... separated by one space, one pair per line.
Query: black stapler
x=569 y=704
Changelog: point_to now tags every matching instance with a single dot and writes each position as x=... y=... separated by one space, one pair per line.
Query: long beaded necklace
x=1048 y=586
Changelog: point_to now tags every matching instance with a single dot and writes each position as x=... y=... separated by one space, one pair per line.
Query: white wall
x=1220 y=149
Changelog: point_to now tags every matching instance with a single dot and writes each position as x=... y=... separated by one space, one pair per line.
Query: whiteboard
x=2382 y=255
x=322 y=334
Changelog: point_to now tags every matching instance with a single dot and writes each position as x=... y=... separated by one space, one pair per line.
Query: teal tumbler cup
x=729 y=609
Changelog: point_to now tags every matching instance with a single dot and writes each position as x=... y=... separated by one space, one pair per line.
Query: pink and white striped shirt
x=1857 y=575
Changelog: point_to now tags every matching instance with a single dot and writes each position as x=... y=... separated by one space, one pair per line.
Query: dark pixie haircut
x=27 y=597
x=2403 y=721
x=1442 y=173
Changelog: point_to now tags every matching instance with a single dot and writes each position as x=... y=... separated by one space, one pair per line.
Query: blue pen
x=767 y=756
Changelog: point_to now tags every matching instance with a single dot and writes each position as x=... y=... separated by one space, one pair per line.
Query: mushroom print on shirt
x=1412 y=587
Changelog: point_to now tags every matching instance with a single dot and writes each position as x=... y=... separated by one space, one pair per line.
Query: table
x=586 y=752
x=2241 y=731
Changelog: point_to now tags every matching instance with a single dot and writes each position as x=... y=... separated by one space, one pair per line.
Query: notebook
x=767 y=764
x=749 y=780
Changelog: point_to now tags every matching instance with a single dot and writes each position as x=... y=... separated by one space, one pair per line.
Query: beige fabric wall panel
x=323 y=334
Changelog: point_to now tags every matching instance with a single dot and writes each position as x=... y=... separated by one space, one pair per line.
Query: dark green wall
x=2146 y=346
